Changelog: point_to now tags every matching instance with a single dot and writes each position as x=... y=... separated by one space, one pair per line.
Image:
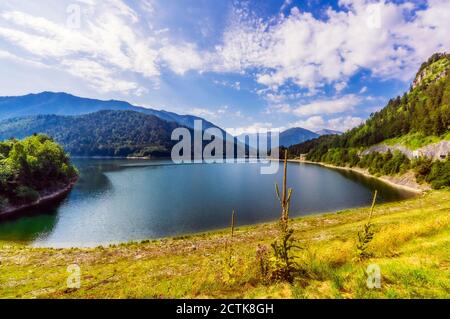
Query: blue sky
x=243 y=65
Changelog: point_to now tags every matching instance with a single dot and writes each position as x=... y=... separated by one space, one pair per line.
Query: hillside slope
x=104 y=133
x=296 y=135
x=407 y=134
x=422 y=115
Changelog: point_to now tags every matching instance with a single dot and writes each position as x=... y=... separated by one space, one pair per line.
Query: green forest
x=417 y=117
x=30 y=168
x=103 y=133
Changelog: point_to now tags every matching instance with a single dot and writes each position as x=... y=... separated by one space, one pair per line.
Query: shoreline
x=169 y=262
x=41 y=201
x=412 y=185
x=407 y=182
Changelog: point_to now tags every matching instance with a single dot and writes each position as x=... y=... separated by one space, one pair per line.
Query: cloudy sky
x=241 y=64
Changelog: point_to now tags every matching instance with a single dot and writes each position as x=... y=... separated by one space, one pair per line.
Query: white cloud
x=285 y=5
x=389 y=39
x=313 y=123
x=278 y=108
x=182 y=58
x=99 y=77
x=230 y=84
x=332 y=106
x=9 y=56
x=312 y=52
x=344 y=123
x=213 y=114
x=202 y=112
x=339 y=86
x=258 y=127
x=316 y=123
x=106 y=38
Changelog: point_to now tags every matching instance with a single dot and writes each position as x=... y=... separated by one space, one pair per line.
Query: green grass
x=411 y=246
x=415 y=141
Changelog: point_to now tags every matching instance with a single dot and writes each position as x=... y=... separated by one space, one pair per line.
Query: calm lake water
x=123 y=200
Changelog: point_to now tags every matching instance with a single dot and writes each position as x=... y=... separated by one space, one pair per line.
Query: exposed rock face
x=422 y=75
x=435 y=151
x=425 y=73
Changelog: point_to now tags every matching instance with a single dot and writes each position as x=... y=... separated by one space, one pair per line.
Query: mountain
x=296 y=135
x=103 y=133
x=66 y=104
x=416 y=117
x=287 y=138
x=328 y=132
x=107 y=133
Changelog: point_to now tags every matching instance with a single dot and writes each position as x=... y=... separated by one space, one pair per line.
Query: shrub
x=283 y=262
x=437 y=173
x=422 y=167
x=365 y=236
x=262 y=259
x=230 y=259
x=439 y=176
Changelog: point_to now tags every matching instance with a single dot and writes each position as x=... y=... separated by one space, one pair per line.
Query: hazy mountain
x=287 y=138
x=296 y=135
x=328 y=132
x=67 y=104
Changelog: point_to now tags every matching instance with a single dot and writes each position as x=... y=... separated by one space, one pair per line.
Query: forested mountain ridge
x=423 y=111
x=103 y=133
x=51 y=103
x=419 y=117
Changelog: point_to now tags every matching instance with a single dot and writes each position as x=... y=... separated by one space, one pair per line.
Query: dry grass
x=411 y=245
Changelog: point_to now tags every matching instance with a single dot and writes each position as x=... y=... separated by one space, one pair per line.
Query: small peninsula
x=34 y=171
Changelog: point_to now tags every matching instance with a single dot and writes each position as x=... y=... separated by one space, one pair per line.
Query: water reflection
x=120 y=200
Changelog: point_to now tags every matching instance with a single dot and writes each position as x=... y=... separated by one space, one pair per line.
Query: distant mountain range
x=50 y=103
x=290 y=136
x=91 y=127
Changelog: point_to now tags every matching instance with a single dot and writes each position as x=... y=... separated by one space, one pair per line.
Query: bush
x=30 y=166
x=437 y=173
x=439 y=176
x=283 y=262
x=365 y=236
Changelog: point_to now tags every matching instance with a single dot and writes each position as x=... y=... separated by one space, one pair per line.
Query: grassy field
x=415 y=141
x=411 y=246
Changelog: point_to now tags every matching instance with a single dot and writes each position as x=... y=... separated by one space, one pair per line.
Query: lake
x=123 y=200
